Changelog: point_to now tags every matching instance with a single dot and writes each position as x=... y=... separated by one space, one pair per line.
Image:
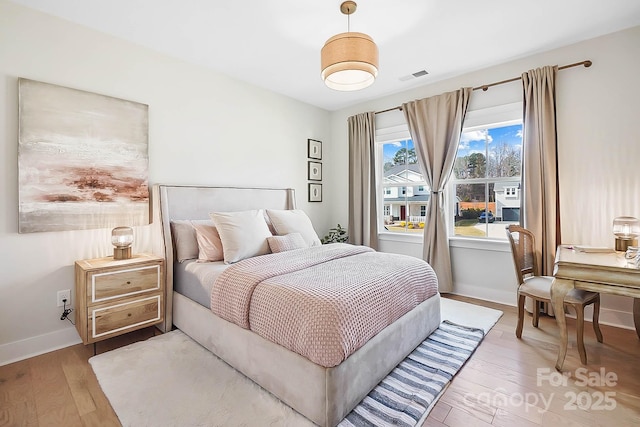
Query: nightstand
x=114 y=297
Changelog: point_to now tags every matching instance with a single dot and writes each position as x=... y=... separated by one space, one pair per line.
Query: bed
x=323 y=394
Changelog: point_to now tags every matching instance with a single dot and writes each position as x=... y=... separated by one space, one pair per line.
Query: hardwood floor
x=512 y=382
x=507 y=382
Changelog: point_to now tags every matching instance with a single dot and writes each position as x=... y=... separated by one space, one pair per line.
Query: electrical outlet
x=64 y=294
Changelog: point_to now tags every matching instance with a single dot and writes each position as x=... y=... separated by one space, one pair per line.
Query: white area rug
x=170 y=380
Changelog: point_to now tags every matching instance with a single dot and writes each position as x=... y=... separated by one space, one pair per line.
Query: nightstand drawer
x=105 y=320
x=120 y=283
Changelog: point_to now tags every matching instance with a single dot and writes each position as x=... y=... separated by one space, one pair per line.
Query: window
x=486 y=176
x=511 y=191
x=405 y=193
x=486 y=179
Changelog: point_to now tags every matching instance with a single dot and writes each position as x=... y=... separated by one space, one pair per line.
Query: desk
x=607 y=273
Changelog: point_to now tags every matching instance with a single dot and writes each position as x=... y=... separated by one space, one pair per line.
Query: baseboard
x=617 y=318
x=486 y=294
x=608 y=316
x=35 y=346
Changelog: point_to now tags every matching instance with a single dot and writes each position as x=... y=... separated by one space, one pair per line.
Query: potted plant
x=336 y=235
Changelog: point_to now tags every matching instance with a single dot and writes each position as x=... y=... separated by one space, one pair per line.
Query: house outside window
x=405 y=192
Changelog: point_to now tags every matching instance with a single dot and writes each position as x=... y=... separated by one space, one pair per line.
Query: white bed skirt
x=323 y=395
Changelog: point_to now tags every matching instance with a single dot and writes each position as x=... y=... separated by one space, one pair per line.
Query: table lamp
x=626 y=229
x=122 y=238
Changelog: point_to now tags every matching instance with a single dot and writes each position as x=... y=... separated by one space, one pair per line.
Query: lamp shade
x=349 y=61
x=122 y=239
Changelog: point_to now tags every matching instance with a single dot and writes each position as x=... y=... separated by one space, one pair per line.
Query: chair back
x=522 y=249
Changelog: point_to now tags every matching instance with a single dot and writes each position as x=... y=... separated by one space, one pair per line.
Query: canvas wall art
x=82 y=159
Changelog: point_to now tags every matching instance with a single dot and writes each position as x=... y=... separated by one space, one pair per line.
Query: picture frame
x=314 y=171
x=315 y=192
x=314 y=149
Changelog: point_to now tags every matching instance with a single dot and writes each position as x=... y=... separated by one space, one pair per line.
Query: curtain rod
x=486 y=87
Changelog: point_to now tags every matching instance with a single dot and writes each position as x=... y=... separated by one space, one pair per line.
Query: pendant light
x=349 y=61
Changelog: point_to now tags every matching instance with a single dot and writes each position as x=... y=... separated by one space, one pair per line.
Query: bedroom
x=194 y=109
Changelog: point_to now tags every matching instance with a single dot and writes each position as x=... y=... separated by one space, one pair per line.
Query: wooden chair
x=538 y=288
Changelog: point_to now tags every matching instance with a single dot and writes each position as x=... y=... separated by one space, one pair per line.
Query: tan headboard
x=175 y=202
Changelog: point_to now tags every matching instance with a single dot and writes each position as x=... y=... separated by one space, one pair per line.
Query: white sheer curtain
x=363 y=220
x=540 y=201
x=435 y=125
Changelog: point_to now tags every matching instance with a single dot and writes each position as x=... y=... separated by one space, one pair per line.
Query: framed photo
x=315 y=171
x=315 y=192
x=314 y=149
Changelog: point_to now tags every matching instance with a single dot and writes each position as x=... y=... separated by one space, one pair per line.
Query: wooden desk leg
x=636 y=315
x=559 y=289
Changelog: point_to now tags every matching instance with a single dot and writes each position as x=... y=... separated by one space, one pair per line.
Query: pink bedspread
x=324 y=302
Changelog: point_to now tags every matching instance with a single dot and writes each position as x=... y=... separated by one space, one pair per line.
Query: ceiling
x=275 y=44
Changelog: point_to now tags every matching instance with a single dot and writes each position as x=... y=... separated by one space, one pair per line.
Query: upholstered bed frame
x=323 y=395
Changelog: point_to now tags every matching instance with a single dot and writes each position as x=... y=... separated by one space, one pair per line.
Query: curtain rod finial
x=587 y=64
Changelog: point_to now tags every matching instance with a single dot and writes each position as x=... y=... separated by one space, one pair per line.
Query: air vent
x=414 y=75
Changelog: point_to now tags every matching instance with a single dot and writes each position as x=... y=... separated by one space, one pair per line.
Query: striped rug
x=404 y=396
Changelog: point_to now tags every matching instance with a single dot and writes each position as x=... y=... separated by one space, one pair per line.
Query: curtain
x=540 y=202
x=363 y=219
x=435 y=125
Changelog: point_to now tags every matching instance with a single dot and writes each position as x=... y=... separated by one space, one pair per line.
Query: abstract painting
x=82 y=159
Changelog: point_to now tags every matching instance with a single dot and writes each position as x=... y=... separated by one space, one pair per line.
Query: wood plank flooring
x=512 y=382
x=507 y=382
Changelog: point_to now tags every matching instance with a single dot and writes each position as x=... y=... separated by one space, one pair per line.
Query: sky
x=389 y=150
x=470 y=142
x=474 y=141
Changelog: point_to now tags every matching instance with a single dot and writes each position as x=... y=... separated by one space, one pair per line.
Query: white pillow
x=243 y=234
x=287 y=242
x=293 y=221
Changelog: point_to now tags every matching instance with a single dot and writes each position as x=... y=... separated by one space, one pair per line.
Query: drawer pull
x=128 y=283
x=128 y=314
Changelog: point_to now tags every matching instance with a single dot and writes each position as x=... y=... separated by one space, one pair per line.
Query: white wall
x=599 y=153
x=204 y=128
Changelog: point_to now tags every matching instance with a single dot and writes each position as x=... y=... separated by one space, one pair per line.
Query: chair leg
x=580 y=332
x=536 y=312
x=596 y=319
x=520 y=316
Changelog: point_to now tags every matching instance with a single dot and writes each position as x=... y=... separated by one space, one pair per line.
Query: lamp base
x=623 y=244
x=125 y=253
